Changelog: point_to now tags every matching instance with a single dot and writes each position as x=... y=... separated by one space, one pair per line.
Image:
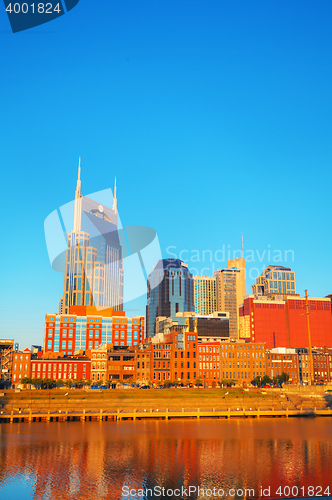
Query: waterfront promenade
x=118 y=415
x=136 y=404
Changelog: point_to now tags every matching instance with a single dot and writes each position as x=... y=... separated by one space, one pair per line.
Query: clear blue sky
x=215 y=116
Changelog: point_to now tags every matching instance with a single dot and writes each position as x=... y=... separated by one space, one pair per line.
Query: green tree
x=284 y=377
x=199 y=382
x=26 y=380
x=168 y=383
x=266 y=379
x=37 y=382
x=48 y=383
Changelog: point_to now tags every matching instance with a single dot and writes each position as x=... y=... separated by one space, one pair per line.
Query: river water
x=117 y=460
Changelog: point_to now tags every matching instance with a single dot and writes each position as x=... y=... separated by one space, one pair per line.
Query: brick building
x=61 y=368
x=121 y=365
x=21 y=365
x=231 y=361
x=282 y=360
x=280 y=321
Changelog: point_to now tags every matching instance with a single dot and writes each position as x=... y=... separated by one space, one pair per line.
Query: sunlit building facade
x=169 y=290
x=87 y=327
x=275 y=280
x=205 y=294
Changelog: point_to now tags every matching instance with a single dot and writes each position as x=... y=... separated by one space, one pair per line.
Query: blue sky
x=214 y=116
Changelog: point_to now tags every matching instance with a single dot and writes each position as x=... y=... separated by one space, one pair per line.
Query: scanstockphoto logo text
x=205 y=262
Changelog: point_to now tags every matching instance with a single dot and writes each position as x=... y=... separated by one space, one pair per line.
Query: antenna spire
x=115 y=201
x=78 y=205
x=242 y=246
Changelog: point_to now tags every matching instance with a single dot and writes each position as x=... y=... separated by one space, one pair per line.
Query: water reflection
x=96 y=460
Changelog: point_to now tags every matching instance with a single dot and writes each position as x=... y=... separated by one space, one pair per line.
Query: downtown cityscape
x=166 y=278
x=198 y=330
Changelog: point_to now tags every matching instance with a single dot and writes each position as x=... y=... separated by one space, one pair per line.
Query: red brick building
x=121 y=365
x=238 y=361
x=61 y=368
x=21 y=365
x=168 y=357
x=283 y=360
x=283 y=323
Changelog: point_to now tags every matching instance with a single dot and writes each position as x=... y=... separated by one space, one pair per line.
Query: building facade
x=205 y=295
x=88 y=327
x=275 y=280
x=169 y=290
x=121 y=365
x=21 y=365
x=283 y=323
x=61 y=368
x=237 y=361
x=283 y=360
x=98 y=359
x=240 y=265
x=227 y=297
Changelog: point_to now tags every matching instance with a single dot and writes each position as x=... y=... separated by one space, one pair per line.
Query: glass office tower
x=94 y=270
x=169 y=290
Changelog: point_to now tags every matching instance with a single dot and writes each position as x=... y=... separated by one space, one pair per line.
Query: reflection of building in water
x=94 y=270
x=93 y=461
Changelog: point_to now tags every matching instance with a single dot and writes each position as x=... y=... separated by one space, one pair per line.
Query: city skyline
x=216 y=121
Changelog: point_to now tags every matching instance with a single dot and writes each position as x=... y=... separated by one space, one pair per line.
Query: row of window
x=56 y=366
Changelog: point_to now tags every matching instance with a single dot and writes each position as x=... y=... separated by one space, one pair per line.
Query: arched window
x=98 y=376
x=103 y=365
x=93 y=376
x=98 y=366
x=94 y=366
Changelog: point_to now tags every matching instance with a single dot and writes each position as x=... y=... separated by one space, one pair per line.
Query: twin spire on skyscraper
x=78 y=200
x=115 y=202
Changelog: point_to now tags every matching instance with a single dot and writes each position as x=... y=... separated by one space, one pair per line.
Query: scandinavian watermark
x=205 y=262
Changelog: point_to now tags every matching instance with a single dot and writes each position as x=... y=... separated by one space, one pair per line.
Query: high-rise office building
x=239 y=264
x=275 y=280
x=94 y=269
x=169 y=291
x=205 y=294
x=226 y=280
x=230 y=291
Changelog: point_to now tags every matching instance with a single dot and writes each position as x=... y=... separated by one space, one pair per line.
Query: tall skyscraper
x=94 y=270
x=169 y=291
x=231 y=290
x=239 y=264
x=205 y=294
x=226 y=280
